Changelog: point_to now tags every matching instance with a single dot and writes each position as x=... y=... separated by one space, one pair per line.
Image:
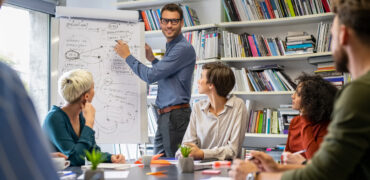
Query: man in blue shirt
x=173 y=74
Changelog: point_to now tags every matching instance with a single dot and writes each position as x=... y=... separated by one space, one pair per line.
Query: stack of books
x=244 y=10
x=205 y=43
x=328 y=72
x=262 y=78
x=299 y=43
x=250 y=45
x=326 y=69
x=285 y=115
x=152 y=17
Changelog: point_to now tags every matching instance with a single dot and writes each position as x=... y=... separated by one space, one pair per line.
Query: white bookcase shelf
x=207 y=61
x=274 y=58
x=263 y=93
x=279 y=21
x=266 y=135
x=251 y=93
x=143 y=3
x=158 y=33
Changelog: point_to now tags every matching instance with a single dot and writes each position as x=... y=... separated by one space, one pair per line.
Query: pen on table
x=299 y=152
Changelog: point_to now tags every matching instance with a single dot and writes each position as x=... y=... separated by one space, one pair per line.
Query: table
x=139 y=173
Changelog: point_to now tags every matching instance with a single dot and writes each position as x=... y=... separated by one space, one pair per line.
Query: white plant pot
x=94 y=174
x=186 y=165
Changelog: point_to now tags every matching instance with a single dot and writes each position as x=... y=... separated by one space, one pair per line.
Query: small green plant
x=185 y=151
x=95 y=157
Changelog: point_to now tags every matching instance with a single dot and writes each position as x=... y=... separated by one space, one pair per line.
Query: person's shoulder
x=297 y=119
x=9 y=77
x=184 y=44
x=356 y=92
x=54 y=115
x=5 y=68
x=200 y=104
x=237 y=101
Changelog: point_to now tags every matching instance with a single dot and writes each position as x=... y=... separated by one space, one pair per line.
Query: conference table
x=171 y=172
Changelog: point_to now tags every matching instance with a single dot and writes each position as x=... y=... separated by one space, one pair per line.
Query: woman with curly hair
x=314 y=98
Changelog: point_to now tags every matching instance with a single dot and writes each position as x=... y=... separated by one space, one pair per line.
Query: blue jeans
x=171 y=130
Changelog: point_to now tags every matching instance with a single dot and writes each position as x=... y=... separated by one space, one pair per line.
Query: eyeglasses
x=173 y=21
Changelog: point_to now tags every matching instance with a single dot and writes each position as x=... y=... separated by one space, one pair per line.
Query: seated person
x=314 y=98
x=217 y=125
x=70 y=127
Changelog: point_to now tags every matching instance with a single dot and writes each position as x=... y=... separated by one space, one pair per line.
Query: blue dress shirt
x=173 y=73
x=23 y=148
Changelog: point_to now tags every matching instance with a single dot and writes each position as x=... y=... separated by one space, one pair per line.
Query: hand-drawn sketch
x=88 y=44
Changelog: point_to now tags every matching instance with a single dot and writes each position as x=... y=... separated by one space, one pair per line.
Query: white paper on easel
x=120 y=95
x=101 y=14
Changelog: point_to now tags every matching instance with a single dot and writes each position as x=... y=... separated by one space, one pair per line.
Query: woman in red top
x=314 y=98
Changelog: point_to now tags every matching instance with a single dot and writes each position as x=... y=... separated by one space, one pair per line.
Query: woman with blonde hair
x=70 y=127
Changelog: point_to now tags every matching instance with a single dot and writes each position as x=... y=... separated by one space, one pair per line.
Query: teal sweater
x=58 y=128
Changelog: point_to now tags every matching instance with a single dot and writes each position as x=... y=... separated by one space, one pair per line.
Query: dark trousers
x=171 y=130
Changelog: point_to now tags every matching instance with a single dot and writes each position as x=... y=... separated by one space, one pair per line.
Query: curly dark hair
x=317 y=97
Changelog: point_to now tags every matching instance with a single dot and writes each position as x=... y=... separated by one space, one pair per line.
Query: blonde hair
x=74 y=83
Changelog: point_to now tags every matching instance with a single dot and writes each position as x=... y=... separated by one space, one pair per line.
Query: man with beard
x=345 y=152
x=173 y=74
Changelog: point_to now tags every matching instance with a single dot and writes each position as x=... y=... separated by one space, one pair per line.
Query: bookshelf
x=211 y=14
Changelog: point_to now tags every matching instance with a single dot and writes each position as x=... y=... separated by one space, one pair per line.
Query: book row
x=205 y=43
x=152 y=18
x=270 y=120
x=266 y=79
x=246 y=10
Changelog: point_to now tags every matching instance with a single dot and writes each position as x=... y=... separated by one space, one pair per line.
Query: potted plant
x=95 y=157
x=185 y=163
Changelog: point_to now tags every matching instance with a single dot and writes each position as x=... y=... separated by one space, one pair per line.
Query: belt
x=170 y=108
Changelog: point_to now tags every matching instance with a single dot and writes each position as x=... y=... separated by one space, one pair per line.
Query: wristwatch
x=252 y=176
